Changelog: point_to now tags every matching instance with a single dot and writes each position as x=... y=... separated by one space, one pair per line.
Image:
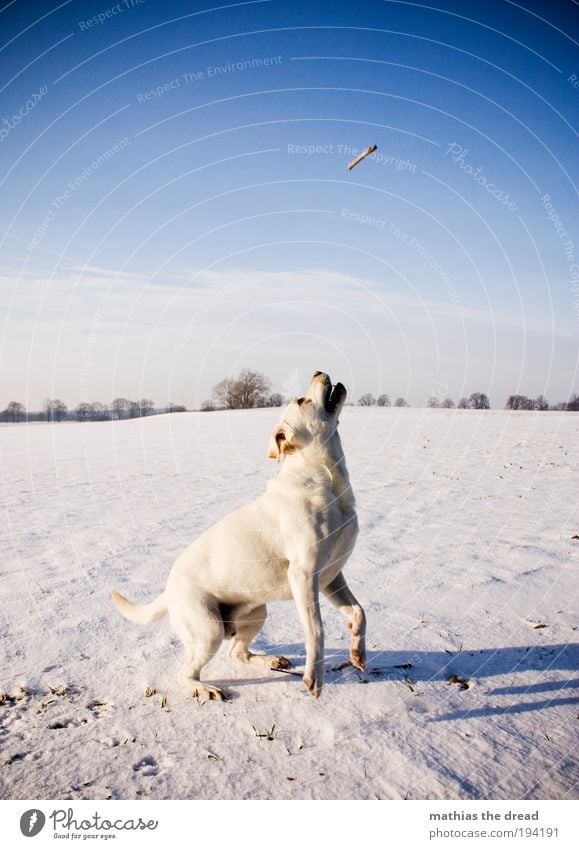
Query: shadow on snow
x=412 y=667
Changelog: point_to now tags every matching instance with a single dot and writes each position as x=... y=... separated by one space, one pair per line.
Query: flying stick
x=362 y=156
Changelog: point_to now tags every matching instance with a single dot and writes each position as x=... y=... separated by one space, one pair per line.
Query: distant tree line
x=521 y=402
x=445 y=403
x=120 y=408
x=476 y=401
x=249 y=390
x=368 y=400
x=55 y=410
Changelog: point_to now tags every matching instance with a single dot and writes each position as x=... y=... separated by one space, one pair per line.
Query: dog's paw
x=358 y=654
x=280 y=663
x=266 y=660
x=358 y=659
x=314 y=684
x=204 y=692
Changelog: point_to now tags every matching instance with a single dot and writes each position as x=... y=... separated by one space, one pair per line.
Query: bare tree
x=433 y=402
x=207 y=406
x=463 y=404
x=99 y=412
x=120 y=408
x=448 y=404
x=17 y=411
x=246 y=391
x=513 y=402
x=275 y=400
x=541 y=403
x=59 y=410
x=83 y=411
x=367 y=400
x=14 y=412
x=479 y=401
x=223 y=393
x=401 y=402
x=134 y=409
x=517 y=402
x=147 y=407
x=573 y=403
x=250 y=388
x=383 y=400
x=176 y=408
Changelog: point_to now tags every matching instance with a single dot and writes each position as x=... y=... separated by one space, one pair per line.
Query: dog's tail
x=142 y=614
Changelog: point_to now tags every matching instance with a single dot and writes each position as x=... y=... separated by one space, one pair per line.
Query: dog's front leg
x=340 y=595
x=304 y=585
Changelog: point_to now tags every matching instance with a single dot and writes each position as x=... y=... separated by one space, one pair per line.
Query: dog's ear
x=280 y=442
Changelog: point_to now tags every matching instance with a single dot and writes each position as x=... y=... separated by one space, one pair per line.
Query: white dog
x=292 y=542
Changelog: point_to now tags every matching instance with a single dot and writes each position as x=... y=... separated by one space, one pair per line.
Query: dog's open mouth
x=334 y=395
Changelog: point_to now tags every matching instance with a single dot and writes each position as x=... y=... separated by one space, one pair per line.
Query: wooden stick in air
x=362 y=156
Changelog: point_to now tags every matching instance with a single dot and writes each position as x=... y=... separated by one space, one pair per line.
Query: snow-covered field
x=465 y=550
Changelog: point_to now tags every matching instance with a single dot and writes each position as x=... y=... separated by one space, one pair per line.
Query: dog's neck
x=340 y=478
x=328 y=458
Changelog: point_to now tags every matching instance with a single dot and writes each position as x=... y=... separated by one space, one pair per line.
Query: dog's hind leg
x=201 y=632
x=245 y=624
x=340 y=595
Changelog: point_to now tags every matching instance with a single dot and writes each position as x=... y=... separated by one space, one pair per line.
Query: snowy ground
x=465 y=548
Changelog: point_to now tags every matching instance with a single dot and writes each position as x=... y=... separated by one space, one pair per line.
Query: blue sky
x=176 y=203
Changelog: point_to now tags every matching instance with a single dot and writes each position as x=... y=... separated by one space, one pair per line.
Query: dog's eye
x=300 y=401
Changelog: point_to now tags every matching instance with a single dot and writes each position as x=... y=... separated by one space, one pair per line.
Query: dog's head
x=310 y=420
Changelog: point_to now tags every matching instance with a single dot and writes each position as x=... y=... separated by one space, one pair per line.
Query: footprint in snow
x=19 y=756
x=146 y=766
x=67 y=723
x=61 y=723
x=97 y=707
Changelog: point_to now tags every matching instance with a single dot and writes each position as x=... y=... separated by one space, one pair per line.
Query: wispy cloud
x=124 y=294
